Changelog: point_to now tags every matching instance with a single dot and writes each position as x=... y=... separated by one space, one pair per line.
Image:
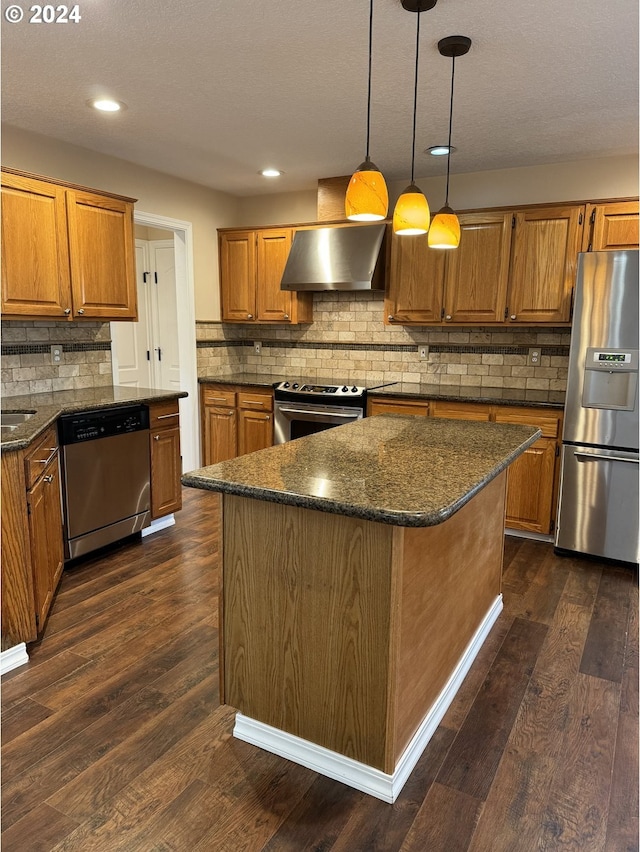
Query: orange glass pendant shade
x=411 y=215
x=445 y=230
x=367 y=198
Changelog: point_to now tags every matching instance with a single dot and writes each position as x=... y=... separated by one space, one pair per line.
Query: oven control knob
x=285 y=384
x=295 y=386
x=345 y=389
x=354 y=389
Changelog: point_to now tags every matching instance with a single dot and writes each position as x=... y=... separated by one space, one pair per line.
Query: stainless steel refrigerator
x=598 y=508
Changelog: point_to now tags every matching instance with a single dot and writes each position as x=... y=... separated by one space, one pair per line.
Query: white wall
x=156 y=192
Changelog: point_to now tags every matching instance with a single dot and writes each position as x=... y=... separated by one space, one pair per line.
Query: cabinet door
x=35 y=249
x=272 y=250
x=103 y=280
x=530 y=487
x=545 y=251
x=615 y=226
x=45 y=534
x=416 y=282
x=477 y=271
x=220 y=434
x=238 y=276
x=166 y=468
x=397 y=406
x=255 y=432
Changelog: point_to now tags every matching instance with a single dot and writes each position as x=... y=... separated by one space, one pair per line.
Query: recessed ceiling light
x=270 y=172
x=106 y=104
x=439 y=150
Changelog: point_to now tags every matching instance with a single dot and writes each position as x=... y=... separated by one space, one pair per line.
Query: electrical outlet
x=533 y=358
x=257 y=347
x=423 y=351
x=56 y=353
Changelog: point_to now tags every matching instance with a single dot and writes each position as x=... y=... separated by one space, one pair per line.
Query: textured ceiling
x=216 y=90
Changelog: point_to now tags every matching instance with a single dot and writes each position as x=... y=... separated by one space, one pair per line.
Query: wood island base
x=343 y=641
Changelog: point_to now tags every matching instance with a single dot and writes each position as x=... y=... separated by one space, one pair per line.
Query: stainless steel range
x=303 y=408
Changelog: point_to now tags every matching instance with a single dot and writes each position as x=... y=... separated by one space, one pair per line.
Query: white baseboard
x=534 y=536
x=159 y=524
x=13 y=657
x=352 y=772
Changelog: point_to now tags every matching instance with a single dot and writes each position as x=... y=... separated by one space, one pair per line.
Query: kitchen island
x=361 y=573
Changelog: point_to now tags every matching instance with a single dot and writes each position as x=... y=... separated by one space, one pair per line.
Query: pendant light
x=411 y=215
x=367 y=198
x=445 y=228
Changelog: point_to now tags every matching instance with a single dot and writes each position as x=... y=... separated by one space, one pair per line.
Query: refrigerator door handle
x=598 y=456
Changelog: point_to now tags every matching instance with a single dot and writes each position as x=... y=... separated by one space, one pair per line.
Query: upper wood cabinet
x=611 y=226
x=478 y=270
x=416 y=282
x=510 y=267
x=67 y=253
x=546 y=243
x=251 y=267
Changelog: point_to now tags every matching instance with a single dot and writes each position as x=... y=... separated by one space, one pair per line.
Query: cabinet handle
x=391 y=318
x=252 y=402
x=165 y=416
x=285 y=316
x=48 y=478
x=229 y=413
x=67 y=311
x=512 y=317
x=216 y=399
x=448 y=317
x=156 y=437
x=249 y=316
x=81 y=311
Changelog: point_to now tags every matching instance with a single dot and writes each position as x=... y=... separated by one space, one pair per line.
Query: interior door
x=166 y=356
x=131 y=341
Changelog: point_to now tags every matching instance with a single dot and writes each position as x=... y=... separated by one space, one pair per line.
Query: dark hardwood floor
x=113 y=738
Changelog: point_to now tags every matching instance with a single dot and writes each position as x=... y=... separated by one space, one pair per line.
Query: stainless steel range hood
x=337 y=258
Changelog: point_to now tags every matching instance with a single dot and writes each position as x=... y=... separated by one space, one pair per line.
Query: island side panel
x=306 y=623
x=451 y=576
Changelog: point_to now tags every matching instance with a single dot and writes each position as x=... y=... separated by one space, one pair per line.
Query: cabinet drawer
x=461 y=410
x=414 y=407
x=38 y=456
x=549 y=422
x=164 y=415
x=255 y=401
x=212 y=395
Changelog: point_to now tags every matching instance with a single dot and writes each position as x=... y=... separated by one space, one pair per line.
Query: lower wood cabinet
x=235 y=420
x=166 y=461
x=532 y=480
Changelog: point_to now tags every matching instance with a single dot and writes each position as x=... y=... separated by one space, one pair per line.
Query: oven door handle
x=332 y=414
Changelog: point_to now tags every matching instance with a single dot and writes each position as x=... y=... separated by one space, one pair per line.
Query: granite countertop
x=47 y=407
x=393 y=469
x=449 y=393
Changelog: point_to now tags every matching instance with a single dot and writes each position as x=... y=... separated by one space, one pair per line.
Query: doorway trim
x=185 y=301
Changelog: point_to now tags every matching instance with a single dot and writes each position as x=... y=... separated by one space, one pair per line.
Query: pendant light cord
x=369 y=83
x=453 y=72
x=415 y=95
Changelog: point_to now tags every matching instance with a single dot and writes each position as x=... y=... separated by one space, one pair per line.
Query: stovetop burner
x=352 y=391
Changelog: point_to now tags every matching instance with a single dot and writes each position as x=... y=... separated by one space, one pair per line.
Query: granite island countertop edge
x=206 y=480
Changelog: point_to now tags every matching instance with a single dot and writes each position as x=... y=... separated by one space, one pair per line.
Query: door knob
x=512 y=317
x=391 y=318
x=48 y=478
x=249 y=316
x=285 y=316
x=448 y=317
x=81 y=311
x=67 y=311
x=156 y=437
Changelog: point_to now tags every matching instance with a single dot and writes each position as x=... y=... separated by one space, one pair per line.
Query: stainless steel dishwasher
x=105 y=476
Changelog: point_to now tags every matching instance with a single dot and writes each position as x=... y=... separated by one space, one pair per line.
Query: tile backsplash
x=348 y=338
x=27 y=365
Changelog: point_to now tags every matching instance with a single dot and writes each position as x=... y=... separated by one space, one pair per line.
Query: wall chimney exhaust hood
x=336 y=258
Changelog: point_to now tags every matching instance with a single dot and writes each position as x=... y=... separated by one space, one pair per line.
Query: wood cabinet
x=235 y=420
x=545 y=248
x=32 y=537
x=511 y=267
x=532 y=480
x=67 y=252
x=166 y=461
x=612 y=225
x=251 y=267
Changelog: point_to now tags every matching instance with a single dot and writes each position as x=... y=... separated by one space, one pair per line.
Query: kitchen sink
x=14 y=418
